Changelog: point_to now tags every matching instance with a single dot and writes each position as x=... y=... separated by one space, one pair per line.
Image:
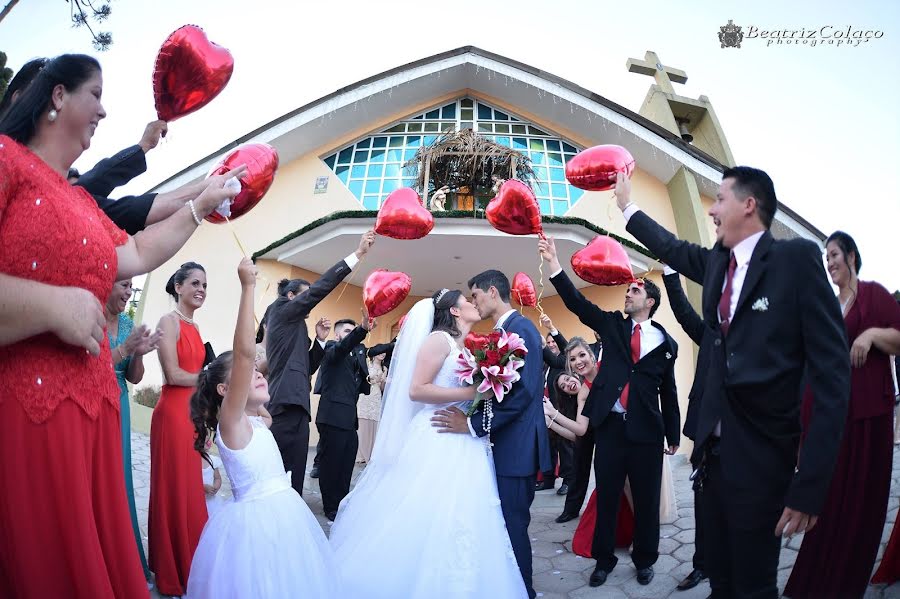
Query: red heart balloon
x=262 y=162
x=515 y=210
x=523 y=290
x=476 y=341
x=603 y=262
x=595 y=169
x=402 y=216
x=385 y=290
x=190 y=71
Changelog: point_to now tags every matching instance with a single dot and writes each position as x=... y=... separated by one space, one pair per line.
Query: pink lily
x=497 y=380
x=511 y=341
x=467 y=368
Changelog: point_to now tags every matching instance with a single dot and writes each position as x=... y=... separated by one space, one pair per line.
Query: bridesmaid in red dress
x=584 y=368
x=177 y=502
x=64 y=522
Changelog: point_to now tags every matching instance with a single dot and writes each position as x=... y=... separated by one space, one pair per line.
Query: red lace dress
x=177 y=512
x=64 y=523
x=583 y=540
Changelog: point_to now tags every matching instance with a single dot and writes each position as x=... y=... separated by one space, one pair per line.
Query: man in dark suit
x=632 y=405
x=692 y=323
x=344 y=376
x=516 y=427
x=288 y=353
x=770 y=316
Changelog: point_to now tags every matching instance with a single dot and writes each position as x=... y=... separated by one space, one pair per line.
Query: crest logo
x=730 y=35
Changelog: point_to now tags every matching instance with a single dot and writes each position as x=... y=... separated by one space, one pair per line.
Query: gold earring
x=51 y=116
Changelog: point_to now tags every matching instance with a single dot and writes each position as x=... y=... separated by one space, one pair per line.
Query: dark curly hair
x=206 y=401
x=443 y=319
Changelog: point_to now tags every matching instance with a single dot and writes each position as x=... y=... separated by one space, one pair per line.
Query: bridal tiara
x=437 y=300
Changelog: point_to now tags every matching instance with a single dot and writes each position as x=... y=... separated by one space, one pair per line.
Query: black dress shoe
x=563 y=489
x=544 y=485
x=598 y=577
x=314 y=473
x=692 y=580
x=565 y=517
x=645 y=575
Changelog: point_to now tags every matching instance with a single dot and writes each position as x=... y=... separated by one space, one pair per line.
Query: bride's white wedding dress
x=428 y=523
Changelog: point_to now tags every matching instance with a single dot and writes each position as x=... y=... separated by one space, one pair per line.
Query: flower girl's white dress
x=266 y=543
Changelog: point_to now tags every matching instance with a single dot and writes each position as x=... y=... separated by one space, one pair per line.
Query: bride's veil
x=399 y=409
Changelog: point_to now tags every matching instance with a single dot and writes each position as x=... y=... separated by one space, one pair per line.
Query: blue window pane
x=560 y=208
x=569 y=148
x=390 y=185
x=466 y=102
x=409 y=155
x=500 y=116
x=558 y=190
x=330 y=161
x=356 y=188
x=392 y=170
x=466 y=125
x=396 y=142
x=449 y=111
x=557 y=174
x=535 y=131
x=418 y=117
x=536 y=144
x=520 y=129
x=377 y=156
x=537 y=157
x=373 y=186
x=414 y=141
x=430 y=139
x=553 y=145
x=541 y=187
x=485 y=128
x=568 y=156
x=433 y=114
x=379 y=142
x=540 y=172
x=555 y=159
x=413 y=127
x=370 y=202
x=501 y=128
x=503 y=141
x=575 y=193
x=520 y=143
x=512 y=118
x=395 y=155
x=363 y=143
x=375 y=170
x=343 y=173
x=484 y=112
x=409 y=181
x=345 y=155
x=360 y=156
x=545 y=206
x=358 y=171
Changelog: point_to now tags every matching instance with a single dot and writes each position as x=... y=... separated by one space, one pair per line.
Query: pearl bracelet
x=194 y=212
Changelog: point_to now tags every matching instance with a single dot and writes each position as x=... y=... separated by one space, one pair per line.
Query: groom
x=517 y=430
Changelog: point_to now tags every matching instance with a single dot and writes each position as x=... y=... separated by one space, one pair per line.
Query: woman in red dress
x=177 y=502
x=583 y=369
x=64 y=523
x=855 y=509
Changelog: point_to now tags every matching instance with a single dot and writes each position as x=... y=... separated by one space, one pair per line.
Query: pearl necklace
x=183 y=317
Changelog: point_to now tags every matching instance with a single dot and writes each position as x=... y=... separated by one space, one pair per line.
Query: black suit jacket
x=653 y=398
x=342 y=379
x=114 y=171
x=693 y=325
x=787 y=320
x=288 y=344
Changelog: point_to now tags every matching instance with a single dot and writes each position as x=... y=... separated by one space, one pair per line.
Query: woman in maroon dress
x=177 y=511
x=583 y=369
x=837 y=556
x=65 y=529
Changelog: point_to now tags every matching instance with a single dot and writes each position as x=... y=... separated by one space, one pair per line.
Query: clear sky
x=823 y=121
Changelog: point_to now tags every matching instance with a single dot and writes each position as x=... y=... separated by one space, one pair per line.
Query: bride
x=424 y=519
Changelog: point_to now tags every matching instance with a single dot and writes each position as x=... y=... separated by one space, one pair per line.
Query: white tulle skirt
x=429 y=526
x=268 y=547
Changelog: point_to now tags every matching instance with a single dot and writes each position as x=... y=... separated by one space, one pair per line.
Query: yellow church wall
x=707 y=204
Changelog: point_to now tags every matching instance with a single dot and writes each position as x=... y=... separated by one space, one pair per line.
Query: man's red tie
x=635 y=356
x=725 y=300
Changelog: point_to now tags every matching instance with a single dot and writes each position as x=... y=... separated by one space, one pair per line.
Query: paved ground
x=558 y=573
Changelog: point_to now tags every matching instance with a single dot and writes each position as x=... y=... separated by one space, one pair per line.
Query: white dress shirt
x=651 y=338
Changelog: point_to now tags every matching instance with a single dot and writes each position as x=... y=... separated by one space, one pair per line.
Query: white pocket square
x=761 y=305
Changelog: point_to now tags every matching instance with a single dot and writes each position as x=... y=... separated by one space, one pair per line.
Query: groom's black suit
x=521 y=444
x=787 y=322
x=628 y=444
